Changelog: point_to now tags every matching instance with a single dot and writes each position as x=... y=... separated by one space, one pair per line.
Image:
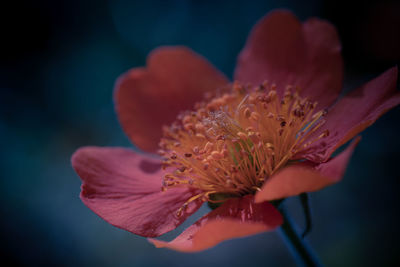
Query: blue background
x=58 y=66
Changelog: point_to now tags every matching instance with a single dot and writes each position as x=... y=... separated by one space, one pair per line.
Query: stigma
x=233 y=142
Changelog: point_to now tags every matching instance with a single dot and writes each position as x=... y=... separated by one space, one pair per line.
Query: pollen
x=233 y=142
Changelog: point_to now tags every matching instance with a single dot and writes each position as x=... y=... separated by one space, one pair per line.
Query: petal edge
x=306 y=177
x=235 y=218
x=174 y=79
x=124 y=188
x=284 y=51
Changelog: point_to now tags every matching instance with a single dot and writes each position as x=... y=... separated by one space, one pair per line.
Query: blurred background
x=59 y=61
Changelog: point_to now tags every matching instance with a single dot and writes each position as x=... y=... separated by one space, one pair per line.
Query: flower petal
x=283 y=51
x=124 y=189
x=305 y=177
x=353 y=113
x=237 y=217
x=147 y=98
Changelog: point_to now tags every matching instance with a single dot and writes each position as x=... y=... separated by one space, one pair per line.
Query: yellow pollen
x=233 y=142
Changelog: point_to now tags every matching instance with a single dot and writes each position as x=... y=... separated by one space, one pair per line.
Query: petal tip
x=281 y=12
x=173 y=74
x=258 y=198
x=156 y=243
x=79 y=154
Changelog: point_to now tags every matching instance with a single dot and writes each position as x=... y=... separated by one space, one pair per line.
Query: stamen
x=233 y=143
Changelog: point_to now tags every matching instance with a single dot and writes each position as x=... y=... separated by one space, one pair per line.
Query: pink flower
x=242 y=146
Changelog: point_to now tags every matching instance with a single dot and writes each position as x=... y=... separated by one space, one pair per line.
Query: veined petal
x=147 y=98
x=305 y=177
x=283 y=51
x=237 y=217
x=124 y=188
x=354 y=113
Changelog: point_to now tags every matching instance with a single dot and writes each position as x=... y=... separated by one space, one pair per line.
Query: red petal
x=124 y=189
x=237 y=217
x=353 y=113
x=305 y=177
x=147 y=98
x=283 y=51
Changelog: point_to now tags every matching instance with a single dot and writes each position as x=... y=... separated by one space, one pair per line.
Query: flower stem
x=300 y=250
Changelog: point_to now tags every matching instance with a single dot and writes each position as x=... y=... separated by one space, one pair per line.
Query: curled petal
x=353 y=113
x=305 y=177
x=174 y=79
x=124 y=188
x=283 y=51
x=237 y=217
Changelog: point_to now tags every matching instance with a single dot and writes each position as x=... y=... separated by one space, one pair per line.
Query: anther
x=177 y=144
x=254 y=137
x=196 y=150
x=280 y=118
x=209 y=146
x=260 y=145
x=247 y=112
x=181 y=210
x=188 y=126
x=220 y=137
x=199 y=126
x=252 y=99
x=217 y=155
x=324 y=134
x=269 y=145
x=255 y=116
x=242 y=135
x=318 y=114
x=182 y=169
x=161 y=152
x=201 y=136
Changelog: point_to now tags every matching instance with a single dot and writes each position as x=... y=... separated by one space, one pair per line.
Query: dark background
x=59 y=61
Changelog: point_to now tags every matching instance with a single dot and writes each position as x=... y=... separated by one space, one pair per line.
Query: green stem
x=300 y=250
x=305 y=203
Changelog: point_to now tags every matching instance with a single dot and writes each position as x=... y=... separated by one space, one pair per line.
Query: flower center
x=233 y=142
